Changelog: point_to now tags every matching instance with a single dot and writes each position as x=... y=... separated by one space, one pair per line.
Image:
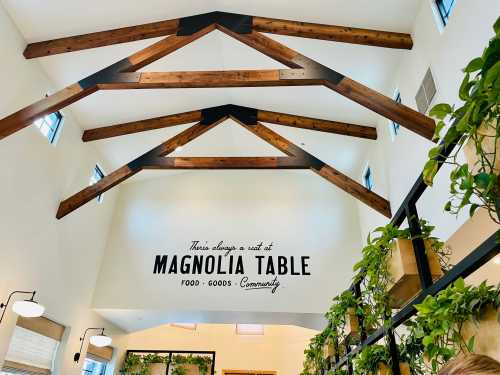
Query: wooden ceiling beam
x=89 y=85
x=313 y=71
x=123 y=173
x=336 y=177
x=333 y=33
x=285 y=119
x=141 y=126
x=202 y=79
x=310 y=123
x=101 y=39
x=267 y=162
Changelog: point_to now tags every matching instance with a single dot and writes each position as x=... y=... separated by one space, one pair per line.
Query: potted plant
x=376 y=360
x=388 y=269
x=343 y=315
x=134 y=364
x=157 y=365
x=454 y=321
x=476 y=131
x=314 y=361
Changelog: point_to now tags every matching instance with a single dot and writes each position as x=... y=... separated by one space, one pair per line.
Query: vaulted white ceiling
x=371 y=66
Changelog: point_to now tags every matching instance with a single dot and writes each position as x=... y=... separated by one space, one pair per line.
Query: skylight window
x=444 y=8
x=97 y=175
x=394 y=126
x=250 y=329
x=368 y=178
x=50 y=125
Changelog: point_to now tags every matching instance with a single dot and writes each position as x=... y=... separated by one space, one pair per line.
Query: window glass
x=395 y=127
x=50 y=125
x=96 y=176
x=368 y=178
x=445 y=7
x=91 y=367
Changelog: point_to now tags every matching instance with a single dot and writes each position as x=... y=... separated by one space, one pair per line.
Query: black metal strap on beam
x=238 y=23
x=246 y=115
x=311 y=70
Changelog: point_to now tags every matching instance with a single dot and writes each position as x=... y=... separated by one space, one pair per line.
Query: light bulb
x=100 y=340
x=28 y=309
x=178 y=148
x=496 y=260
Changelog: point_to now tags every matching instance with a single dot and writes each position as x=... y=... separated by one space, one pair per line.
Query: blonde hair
x=472 y=364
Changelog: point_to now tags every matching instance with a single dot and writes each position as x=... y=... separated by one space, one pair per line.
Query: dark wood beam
x=101 y=39
x=267 y=25
x=218 y=162
x=203 y=79
x=121 y=174
x=336 y=177
x=333 y=33
x=26 y=116
x=89 y=85
x=141 y=126
x=315 y=72
x=309 y=123
x=385 y=106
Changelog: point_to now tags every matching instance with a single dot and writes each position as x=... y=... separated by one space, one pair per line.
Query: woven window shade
x=100 y=354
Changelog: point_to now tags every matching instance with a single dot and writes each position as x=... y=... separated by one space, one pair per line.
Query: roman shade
x=103 y=354
x=33 y=346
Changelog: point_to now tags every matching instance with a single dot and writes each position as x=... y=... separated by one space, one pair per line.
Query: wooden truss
x=301 y=71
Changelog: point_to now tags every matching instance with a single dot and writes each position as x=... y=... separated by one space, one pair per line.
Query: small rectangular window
x=395 y=127
x=50 y=125
x=444 y=8
x=91 y=367
x=97 y=175
x=368 y=178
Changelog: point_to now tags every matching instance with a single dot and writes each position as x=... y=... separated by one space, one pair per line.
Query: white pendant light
x=100 y=340
x=28 y=309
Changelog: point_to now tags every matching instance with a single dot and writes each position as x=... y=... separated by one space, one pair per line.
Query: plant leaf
x=474 y=65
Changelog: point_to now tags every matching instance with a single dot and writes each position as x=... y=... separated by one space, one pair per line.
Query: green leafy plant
x=314 y=361
x=476 y=125
x=440 y=320
x=339 y=371
x=373 y=269
x=336 y=315
x=135 y=364
x=367 y=361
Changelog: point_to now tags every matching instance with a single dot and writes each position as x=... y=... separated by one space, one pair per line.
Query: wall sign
x=250 y=267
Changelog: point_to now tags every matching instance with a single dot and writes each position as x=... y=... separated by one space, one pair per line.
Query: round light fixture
x=179 y=148
x=496 y=260
x=28 y=309
x=100 y=340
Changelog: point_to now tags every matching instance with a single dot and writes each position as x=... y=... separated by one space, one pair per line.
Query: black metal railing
x=170 y=354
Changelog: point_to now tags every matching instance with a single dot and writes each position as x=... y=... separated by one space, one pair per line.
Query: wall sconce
x=99 y=340
x=28 y=308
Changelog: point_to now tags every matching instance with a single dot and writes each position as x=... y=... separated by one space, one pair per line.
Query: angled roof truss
x=302 y=71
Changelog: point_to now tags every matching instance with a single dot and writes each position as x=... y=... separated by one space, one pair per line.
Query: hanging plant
x=314 y=361
x=343 y=316
x=441 y=320
x=477 y=131
x=374 y=271
x=369 y=359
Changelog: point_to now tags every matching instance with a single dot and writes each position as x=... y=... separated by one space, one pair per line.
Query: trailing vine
x=478 y=130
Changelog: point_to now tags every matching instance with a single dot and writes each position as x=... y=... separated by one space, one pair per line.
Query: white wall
x=398 y=163
x=58 y=259
x=302 y=214
x=279 y=349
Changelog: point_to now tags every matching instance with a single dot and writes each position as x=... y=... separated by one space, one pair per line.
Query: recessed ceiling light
x=496 y=260
x=178 y=148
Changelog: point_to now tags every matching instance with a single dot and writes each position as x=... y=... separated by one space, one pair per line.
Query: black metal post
x=213 y=363
x=424 y=271
x=169 y=362
x=393 y=350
